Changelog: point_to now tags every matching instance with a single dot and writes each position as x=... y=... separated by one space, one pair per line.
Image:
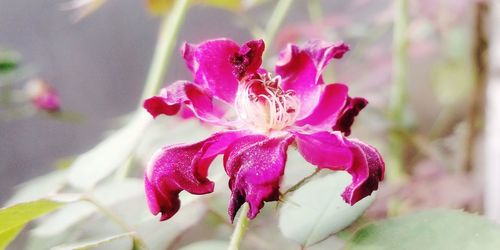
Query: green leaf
x=98 y=163
x=108 y=195
x=39 y=187
x=6 y=237
x=207 y=245
x=316 y=210
x=158 y=7
x=451 y=81
x=9 y=61
x=7 y=66
x=13 y=218
x=233 y=5
x=223 y=4
x=160 y=234
x=120 y=241
x=434 y=229
x=166 y=131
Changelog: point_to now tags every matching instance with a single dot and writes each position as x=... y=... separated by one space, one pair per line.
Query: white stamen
x=273 y=110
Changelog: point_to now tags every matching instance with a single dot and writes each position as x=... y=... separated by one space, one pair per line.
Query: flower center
x=263 y=105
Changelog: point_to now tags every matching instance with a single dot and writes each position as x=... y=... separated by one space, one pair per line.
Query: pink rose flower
x=262 y=115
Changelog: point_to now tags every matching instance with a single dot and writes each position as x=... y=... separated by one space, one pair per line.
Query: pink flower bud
x=43 y=96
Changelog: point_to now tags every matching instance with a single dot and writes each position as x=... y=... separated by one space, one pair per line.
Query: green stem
x=276 y=20
x=398 y=105
x=315 y=12
x=167 y=37
x=240 y=229
x=301 y=182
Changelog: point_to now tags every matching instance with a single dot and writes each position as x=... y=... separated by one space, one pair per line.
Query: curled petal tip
x=347 y=115
x=255 y=164
x=331 y=150
x=156 y=106
x=182 y=167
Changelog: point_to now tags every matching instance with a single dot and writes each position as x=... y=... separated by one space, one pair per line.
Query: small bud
x=43 y=96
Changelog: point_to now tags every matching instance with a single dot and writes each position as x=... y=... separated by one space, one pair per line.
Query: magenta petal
x=249 y=58
x=255 y=164
x=330 y=105
x=182 y=167
x=158 y=105
x=365 y=158
x=190 y=94
x=165 y=202
x=333 y=151
x=346 y=118
x=301 y=68
x=325 y=150
x=210 y=63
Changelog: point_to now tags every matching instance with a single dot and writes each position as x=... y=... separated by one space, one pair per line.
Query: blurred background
x=98 y=66
x=424 y=72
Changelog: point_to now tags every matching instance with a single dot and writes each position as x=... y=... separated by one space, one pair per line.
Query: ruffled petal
x=175 y=168
x=219 y=64
x=346 y=117
x=249 y=59
x=255 y=164
x=193 y=96
x=324 y=115
x=365 y=157
x=210 y=63
x=300 y=69
x=333 y=151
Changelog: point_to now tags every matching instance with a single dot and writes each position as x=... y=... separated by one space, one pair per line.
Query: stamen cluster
x=262 y=105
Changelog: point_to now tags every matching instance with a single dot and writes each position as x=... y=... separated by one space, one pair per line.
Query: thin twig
x=301 y=182
x=116 y=219
x=475 y=118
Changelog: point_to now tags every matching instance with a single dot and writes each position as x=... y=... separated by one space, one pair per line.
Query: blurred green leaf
x=120 y=241
x=452 y=78
x=297 y=168
x=160 y=234
x=158 y=7
x=457 y=43
x=108 y=195
x=101 y=161
x=66 y=116
x=166 y=131
x=13 y=218
x=434 y=229
x=207 y=245
x=316 y=210
x=9 y=61
x=6 y=237
x=7 y=66
x=451 y=81
x=233 y=5
x=64 y=163
x=39 y=187
x=129 y=203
